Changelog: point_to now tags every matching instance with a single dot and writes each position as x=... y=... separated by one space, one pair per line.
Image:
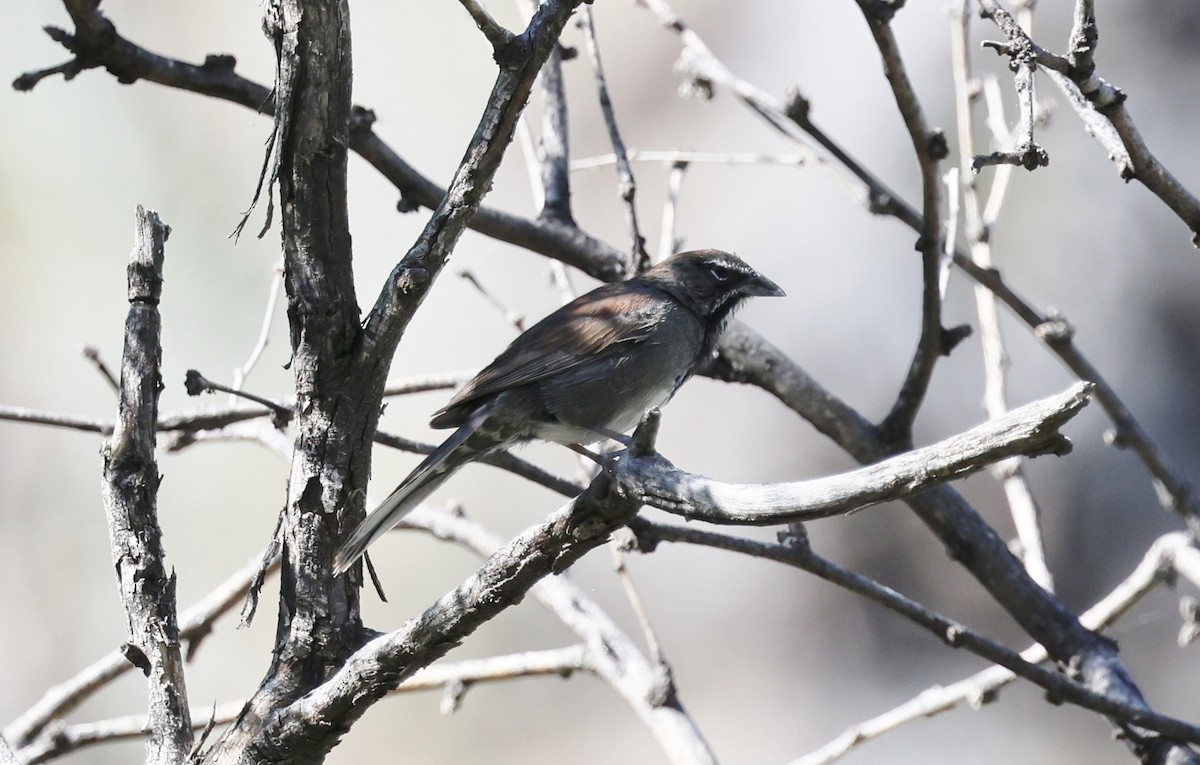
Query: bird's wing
x=588 y=327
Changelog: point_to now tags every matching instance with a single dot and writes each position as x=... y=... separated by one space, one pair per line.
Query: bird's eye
x=719 y=273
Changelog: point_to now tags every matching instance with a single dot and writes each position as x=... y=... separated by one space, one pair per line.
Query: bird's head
x=710 y=282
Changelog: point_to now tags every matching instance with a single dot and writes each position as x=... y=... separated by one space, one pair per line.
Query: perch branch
x=1031 y=429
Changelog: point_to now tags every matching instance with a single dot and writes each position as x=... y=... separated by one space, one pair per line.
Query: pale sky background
x=770 y=662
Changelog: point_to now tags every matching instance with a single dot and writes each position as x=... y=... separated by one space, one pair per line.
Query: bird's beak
x=761 y=285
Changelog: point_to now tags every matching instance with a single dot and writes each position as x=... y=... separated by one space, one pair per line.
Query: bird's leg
x=620 y=438
x=587 y=453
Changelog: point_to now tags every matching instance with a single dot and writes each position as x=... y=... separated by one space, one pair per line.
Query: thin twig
x=501 y=460
x=669 y=241
x=639 y=258
x=511 y=316
x=450 y=676
x=1100 y=105
x=196 y=383
x=218 y=417
x=1173 y=492
x=797 y=553
x=422 y=383
x=1022 y=505
x=929 y=147
x=1026 y=152
x=1001 y=136
x=264 y=332
x=496 y=34
x=93 y=355
x=697 y=157
x=653 y=645
x=1154 y=569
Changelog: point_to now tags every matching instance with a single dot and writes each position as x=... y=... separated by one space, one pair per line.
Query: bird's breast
x=614 y=390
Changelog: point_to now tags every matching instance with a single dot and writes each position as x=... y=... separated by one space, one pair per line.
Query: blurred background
x=771 y=663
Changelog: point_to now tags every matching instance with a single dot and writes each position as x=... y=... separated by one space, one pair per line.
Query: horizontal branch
x=673 y=157
x=1030 y=430
x=217 y=417
x=454 y=677
x=797 y=553
x=1170 y=554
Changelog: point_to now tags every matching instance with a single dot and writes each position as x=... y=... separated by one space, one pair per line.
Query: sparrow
x=588 y=371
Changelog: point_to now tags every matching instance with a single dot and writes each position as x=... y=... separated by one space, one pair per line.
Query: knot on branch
x=1054 y=329
x=937 y=146
x=195 y=383
x=137 y=657
x=219 y=63
x=1029 y=156
x=879 y=202
x=798 y=107
x=410 y=279
x=513 y=52
x=362 y=120
x=881 y=11
x=951 y=337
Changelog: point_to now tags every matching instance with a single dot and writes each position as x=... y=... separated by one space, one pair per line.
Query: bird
x=588 y=371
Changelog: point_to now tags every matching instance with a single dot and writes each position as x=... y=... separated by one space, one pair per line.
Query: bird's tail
x=463 y=446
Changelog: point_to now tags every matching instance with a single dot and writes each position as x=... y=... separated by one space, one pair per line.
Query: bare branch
x=796 y=552
x=966 y=536
x=560 y=662
x=1024 y=509
x=386 y=661
x=196 y=384
x=1032 y=429
x=669 y=240
x=639 y=258
x=1081 y=46
x=688 y=157
x=1027 y=153
x=130 y=492
x=410 y=280
x=264 y=332
x=513 y=318
x=612 y=654
x=929 y=148
x=1173 y=492
x=194 y=625
x=502 y=460
x=1134 y=158
x=1164 y=556
x=93 y=355
x=621 y=564
x=54 y=419
x=496 y=34
x=555 y=152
